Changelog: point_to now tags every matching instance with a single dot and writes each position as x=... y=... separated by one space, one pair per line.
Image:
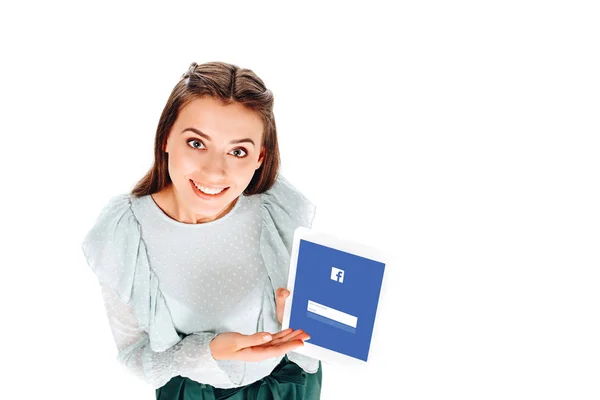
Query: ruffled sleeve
x=283 y=208
x=114 y=250
x=148 y=343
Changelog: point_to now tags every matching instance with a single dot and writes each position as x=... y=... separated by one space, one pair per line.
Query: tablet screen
x=335 y=298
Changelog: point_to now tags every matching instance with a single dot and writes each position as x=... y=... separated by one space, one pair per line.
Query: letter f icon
x=337 y=275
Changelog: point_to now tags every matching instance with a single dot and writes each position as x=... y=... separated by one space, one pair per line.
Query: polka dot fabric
x=170 y=287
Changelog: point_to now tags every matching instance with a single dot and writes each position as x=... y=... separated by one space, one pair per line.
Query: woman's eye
x=238 y=150
x=239 y=153
x=195 y=141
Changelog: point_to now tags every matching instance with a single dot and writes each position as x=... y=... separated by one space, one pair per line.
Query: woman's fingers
x=278 y=335
x=280 y=295
x=295 y=335
x=257 y=339
x=237 y=346
x=287 y=337
x=257 y=353
x=282 y=333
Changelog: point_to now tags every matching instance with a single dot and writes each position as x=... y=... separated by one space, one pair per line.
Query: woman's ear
x=165 y=145
x=261 y=157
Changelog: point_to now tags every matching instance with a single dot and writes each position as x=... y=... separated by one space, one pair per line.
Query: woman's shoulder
x=286 y=203
x=284 y=208
x=112 y=242
x=115 y=252
x=118 y=206
x=114 y=227
x=117 y=203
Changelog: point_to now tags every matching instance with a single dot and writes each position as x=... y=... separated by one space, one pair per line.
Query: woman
x=193 y=262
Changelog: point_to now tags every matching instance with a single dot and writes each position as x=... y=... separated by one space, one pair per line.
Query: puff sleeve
x=148 y=344
x=283 y=209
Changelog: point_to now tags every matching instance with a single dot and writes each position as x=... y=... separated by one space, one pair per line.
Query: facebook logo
x=337 y=275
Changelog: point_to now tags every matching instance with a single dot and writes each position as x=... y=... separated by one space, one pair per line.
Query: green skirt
x=286 y=381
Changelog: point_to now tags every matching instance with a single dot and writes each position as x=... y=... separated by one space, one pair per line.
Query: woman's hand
x=236 y=346
x=280 y=295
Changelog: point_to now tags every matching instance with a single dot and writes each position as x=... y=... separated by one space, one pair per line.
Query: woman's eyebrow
x=205 y=136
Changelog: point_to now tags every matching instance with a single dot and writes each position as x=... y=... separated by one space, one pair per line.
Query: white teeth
x=208 y=190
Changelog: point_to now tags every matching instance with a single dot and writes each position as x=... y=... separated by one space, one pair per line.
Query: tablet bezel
x=326 y=355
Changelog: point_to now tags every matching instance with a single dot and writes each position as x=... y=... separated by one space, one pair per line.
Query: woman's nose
x=214 y=165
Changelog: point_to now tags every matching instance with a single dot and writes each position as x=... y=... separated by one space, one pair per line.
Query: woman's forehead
x=219 y=120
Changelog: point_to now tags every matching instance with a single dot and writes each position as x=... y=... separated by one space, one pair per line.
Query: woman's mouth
x=207 y=192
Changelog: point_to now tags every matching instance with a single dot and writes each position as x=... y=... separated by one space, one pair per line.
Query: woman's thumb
x=257 y=339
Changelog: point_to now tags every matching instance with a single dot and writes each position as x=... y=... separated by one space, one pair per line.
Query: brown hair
x=229 y=83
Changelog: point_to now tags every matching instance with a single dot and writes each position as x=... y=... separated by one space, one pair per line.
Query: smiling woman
x=210 y=175
x=193 y=262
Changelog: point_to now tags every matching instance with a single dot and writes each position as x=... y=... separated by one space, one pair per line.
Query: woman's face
x=216 y=147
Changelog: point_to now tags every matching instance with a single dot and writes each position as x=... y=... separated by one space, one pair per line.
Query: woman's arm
x=191 y=357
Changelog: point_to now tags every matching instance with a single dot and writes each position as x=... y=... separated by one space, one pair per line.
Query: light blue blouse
x=170 y=287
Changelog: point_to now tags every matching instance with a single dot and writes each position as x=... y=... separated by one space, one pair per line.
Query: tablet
x=335 y=286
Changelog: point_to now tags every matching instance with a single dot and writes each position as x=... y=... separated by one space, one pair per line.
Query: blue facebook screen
x=335 y=298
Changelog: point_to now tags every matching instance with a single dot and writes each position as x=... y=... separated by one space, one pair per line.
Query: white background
x=460 y=137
